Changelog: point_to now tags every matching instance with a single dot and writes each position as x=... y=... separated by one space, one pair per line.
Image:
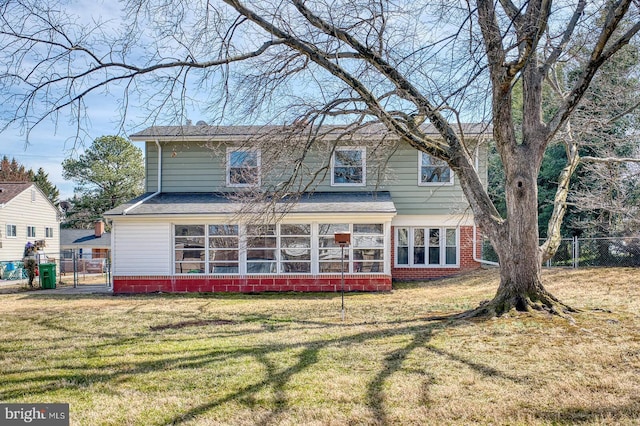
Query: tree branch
x=599 y=55
x=610 y=159
x=566 y=36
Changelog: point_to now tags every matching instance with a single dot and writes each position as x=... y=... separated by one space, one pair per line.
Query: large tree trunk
x=518 y=251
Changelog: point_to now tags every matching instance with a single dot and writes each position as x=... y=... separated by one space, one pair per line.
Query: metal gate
x=85 y=268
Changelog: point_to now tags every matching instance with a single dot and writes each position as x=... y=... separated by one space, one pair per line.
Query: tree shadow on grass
x=603 y=414
x=274 y=379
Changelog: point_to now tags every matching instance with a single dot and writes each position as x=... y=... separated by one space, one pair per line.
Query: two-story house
x=194 y=230
x=26 y=216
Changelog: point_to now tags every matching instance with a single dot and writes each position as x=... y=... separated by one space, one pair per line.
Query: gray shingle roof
x=84 y=238
x=206 y=132
x=217 y=203
x=10 y=190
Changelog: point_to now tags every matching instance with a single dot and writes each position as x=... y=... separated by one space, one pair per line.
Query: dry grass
x=288 y=359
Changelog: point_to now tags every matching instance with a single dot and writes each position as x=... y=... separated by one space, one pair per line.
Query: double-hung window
x=420 y=247
x=11 y=231
x=348 y=167
x=433 y=171
x=31 y=231
x=48 y=232
x=243 y=167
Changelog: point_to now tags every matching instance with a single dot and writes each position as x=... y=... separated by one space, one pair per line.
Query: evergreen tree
x=41 y=178
x=110 y=172
x=12 y=171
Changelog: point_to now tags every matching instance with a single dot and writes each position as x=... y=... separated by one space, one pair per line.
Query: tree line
x=108 y=173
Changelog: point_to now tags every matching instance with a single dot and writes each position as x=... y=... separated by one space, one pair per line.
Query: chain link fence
x=587 y=252
x=71 y=267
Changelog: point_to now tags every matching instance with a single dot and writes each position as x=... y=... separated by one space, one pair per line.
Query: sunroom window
x=189 y=249
x=223 y=249
x=364 y=255
x=329 y=253
x=261 y=249
x=295 y=248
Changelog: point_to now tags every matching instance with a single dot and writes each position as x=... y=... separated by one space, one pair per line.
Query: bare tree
x=401 y=63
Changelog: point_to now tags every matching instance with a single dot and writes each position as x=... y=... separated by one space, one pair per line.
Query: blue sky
x=50 y=143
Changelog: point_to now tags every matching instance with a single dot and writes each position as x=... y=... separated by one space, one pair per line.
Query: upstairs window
x=11 y=231
x=31 y=231
x=48 y=232
x=243 y=167
x=433 y=171
x=349 y=167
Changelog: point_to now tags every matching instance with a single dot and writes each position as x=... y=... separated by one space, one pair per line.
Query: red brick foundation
x=249 y=284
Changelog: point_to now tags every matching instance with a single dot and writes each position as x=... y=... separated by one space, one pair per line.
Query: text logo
x=34 y=414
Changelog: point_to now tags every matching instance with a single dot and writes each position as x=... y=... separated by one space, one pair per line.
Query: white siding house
x=26 y=215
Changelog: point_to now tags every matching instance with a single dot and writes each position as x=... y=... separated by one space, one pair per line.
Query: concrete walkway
x=81 y=289
x=8 y=286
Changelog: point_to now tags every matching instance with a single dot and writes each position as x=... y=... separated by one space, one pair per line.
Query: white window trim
x=443 y=248
x=15 y=228
x=30 y=227
x=363 y=150
x=420 y=183
x=46 y=232
x=231 y=150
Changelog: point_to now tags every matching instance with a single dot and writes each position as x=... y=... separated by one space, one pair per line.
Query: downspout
x=145 y=199
x=475 y=245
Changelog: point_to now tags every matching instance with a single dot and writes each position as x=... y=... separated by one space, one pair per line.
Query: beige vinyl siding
x=194 y=167
x=22 y=212
x=141 y=248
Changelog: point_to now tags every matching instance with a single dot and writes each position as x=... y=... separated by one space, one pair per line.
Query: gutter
x=145 y=199
x=475 y=245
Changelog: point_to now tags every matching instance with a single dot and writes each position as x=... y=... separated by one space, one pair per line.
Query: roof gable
x=10 y=190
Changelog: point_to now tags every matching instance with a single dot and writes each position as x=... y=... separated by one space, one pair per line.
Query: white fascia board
x=231 y=218
x=434 y=220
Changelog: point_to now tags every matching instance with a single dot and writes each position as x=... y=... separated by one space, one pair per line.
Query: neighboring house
x=86 y=243
x=405 y=212
x=85 y=250
x=26 y=215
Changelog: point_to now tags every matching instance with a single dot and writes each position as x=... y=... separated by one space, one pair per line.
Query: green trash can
x=47 y=275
